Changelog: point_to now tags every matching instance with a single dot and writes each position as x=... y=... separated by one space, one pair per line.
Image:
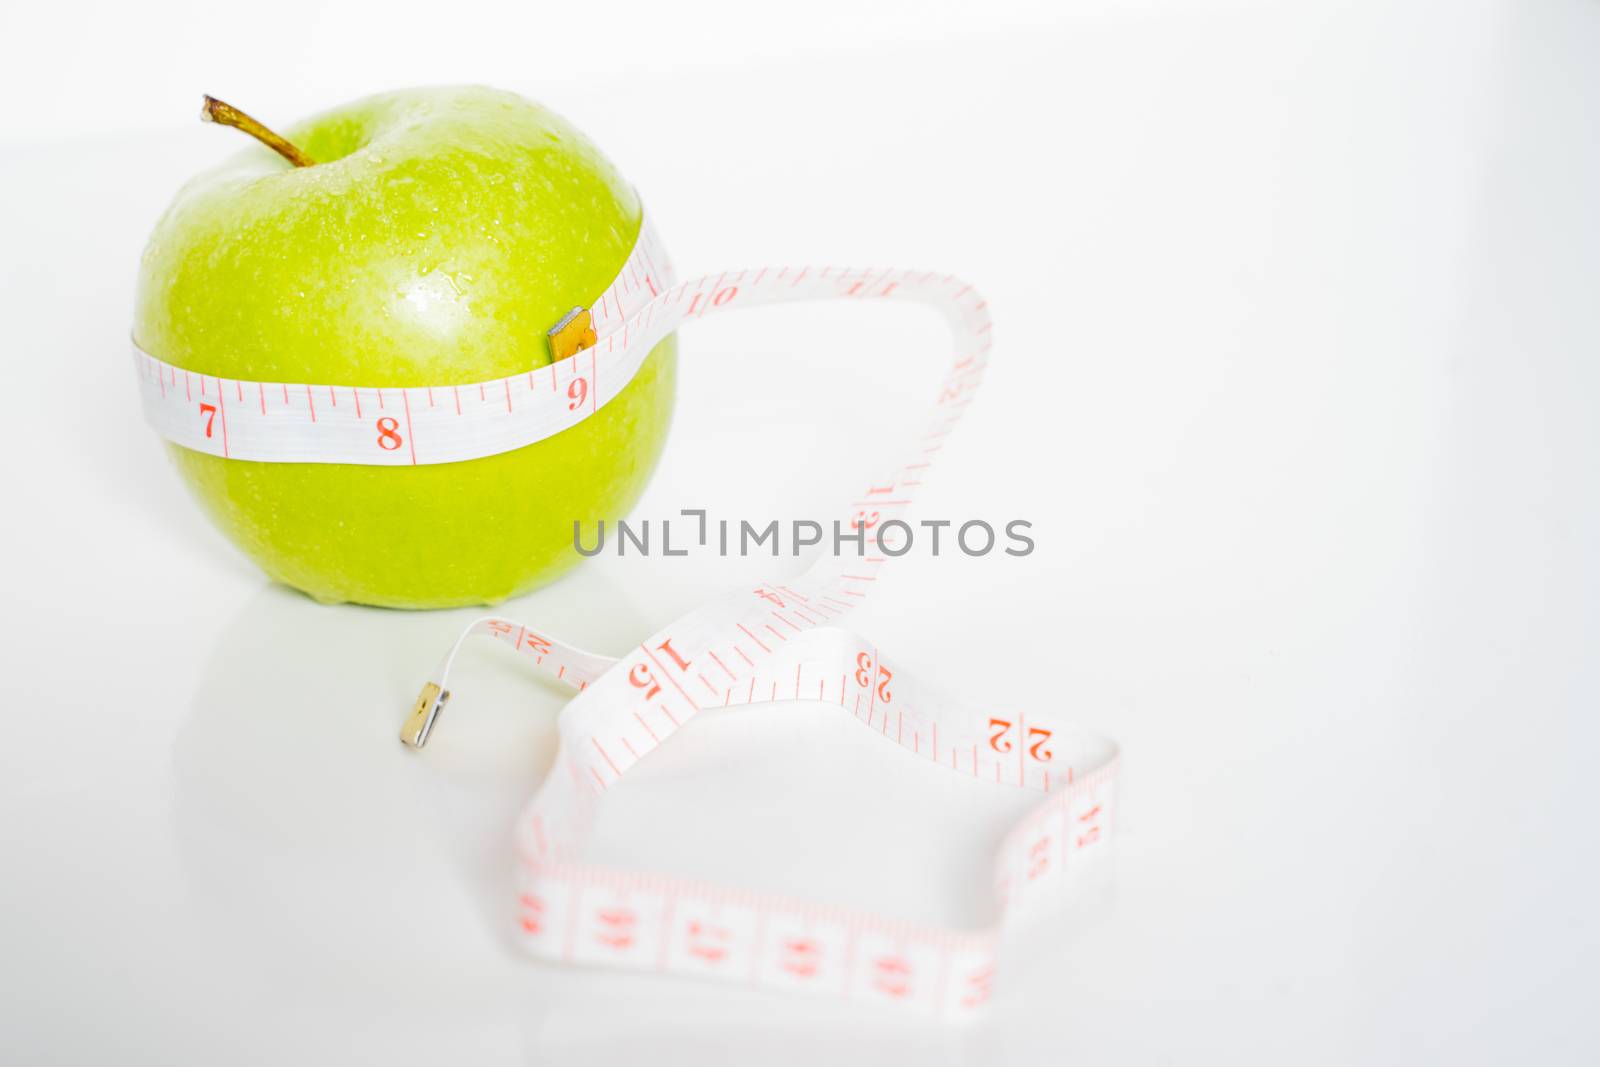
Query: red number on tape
x=1038 y=858
x=708 y=942
x=616 y=928
x=979 y=985
x=641 y=678
x=802 y=957
x=666 y=646
x=893 y=975
x=388 y=437
x=532 y=913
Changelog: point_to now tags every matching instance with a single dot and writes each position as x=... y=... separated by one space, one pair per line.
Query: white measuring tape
x=290 y=422
x=773 y=642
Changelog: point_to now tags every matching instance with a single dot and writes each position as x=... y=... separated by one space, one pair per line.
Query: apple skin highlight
x=439 y=235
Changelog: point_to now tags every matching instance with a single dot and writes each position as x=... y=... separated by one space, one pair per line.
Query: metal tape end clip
x=572 y=334
x=424 y=713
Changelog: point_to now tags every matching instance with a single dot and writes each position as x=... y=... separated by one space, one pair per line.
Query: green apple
x=435 y=239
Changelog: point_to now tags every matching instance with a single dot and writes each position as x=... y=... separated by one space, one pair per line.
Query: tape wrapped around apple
x=422 y=237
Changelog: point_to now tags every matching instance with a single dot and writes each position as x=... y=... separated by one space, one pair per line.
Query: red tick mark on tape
x=606 y=756
x=411 y=437
x=754 y=638
x=647 y=729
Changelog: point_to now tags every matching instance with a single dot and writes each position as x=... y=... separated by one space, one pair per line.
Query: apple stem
x=216 y=111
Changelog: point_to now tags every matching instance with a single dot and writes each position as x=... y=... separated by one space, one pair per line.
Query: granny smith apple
x=429 y=237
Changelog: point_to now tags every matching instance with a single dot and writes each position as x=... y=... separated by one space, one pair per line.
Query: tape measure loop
x=781 y=641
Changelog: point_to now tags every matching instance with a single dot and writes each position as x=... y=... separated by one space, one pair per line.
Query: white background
x=1296 y=378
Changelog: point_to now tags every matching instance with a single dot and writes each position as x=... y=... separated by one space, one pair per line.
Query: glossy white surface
x=1304 y=420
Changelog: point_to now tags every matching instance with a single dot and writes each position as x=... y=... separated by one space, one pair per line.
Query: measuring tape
x=287 y=422
x=773 y=642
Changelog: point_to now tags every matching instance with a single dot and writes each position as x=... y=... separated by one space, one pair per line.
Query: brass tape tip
x=424 y=713
x=572 y=334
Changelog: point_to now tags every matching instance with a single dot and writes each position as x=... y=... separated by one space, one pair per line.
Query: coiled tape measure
x=775 y=642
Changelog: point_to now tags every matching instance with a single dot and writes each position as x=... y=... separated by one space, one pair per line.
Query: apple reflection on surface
x=326 y=856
